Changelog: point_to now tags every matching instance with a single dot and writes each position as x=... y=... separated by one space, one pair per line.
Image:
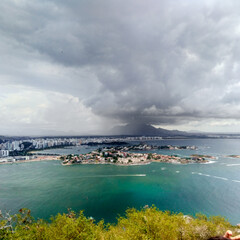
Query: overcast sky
x=82 y=67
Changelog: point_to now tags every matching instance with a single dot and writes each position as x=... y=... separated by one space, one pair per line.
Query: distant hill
x=147 y=130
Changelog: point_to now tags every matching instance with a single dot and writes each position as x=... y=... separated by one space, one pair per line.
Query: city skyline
x=81 y=68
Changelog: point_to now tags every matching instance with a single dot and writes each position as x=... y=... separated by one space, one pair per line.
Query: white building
x=4 y=153
x=16 y=145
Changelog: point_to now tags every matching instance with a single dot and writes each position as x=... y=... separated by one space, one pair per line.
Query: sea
x=107 y=191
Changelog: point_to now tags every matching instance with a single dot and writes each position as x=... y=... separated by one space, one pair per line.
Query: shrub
x=147 y=223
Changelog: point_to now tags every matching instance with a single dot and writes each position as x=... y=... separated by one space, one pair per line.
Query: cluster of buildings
x=176 y=159
x=8 y=159
x=11 y=146
x=7 y=147
x=24 y=145
x=106 y=157
x=115 y=156
x=106 y=140
x=146 y=147
x=39 y=143
x=43 y=143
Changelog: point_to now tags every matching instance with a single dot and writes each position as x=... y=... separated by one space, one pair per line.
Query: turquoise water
x=104 y=191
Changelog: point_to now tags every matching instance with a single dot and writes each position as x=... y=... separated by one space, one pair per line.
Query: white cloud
x=30 y=111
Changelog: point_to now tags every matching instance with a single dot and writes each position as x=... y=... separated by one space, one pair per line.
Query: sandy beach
x=38 y=158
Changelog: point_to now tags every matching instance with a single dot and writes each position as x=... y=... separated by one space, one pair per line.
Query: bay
x=105 y=191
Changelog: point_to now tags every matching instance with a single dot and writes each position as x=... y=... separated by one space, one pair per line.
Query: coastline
x=133 y=162
x=57 y=158
x=169 y=159
x=37 y=159
x=116 y=164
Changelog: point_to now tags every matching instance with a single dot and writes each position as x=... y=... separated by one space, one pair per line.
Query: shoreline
x=115 y=164
x=124 y=159
x=37 y=159
x=169 y=159
x=49 y=158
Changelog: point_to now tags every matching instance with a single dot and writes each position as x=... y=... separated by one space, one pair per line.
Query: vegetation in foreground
x=148 y=223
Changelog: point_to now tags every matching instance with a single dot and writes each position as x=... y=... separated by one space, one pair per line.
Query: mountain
x=147 y=130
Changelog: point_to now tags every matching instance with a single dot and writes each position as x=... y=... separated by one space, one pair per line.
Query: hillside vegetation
x=148 y=223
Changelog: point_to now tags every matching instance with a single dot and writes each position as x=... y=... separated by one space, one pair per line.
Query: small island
x=233 y=156
x=202 y=156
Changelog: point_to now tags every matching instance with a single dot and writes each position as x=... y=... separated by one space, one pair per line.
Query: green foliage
x=115 y=159
x=149 y=156
x=148 y=223
x=69 y=156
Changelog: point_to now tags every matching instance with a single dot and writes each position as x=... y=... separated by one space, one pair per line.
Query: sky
x=85 y=66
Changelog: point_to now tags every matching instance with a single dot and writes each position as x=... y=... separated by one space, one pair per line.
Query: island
x=233 y=156
x=123 y=158
x=202 y=156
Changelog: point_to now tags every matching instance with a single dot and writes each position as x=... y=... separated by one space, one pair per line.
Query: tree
x=149 y=156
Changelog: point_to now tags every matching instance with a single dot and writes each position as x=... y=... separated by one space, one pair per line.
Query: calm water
x=104 y=191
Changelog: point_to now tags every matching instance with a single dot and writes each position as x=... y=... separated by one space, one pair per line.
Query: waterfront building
x=4 y=153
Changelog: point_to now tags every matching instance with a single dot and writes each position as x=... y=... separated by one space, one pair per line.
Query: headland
x=121 y=156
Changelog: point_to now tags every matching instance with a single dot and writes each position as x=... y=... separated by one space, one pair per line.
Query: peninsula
x=123 y=155
x=119 y=157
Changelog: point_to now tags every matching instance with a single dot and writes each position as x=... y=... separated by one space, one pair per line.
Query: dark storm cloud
x=151 y=61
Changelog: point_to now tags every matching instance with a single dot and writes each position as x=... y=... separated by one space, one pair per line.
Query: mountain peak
x=144 y=129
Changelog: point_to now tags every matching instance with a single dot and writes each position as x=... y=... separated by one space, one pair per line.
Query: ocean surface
x=106 y=191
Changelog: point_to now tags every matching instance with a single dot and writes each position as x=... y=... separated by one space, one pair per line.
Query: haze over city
x=83 y=67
